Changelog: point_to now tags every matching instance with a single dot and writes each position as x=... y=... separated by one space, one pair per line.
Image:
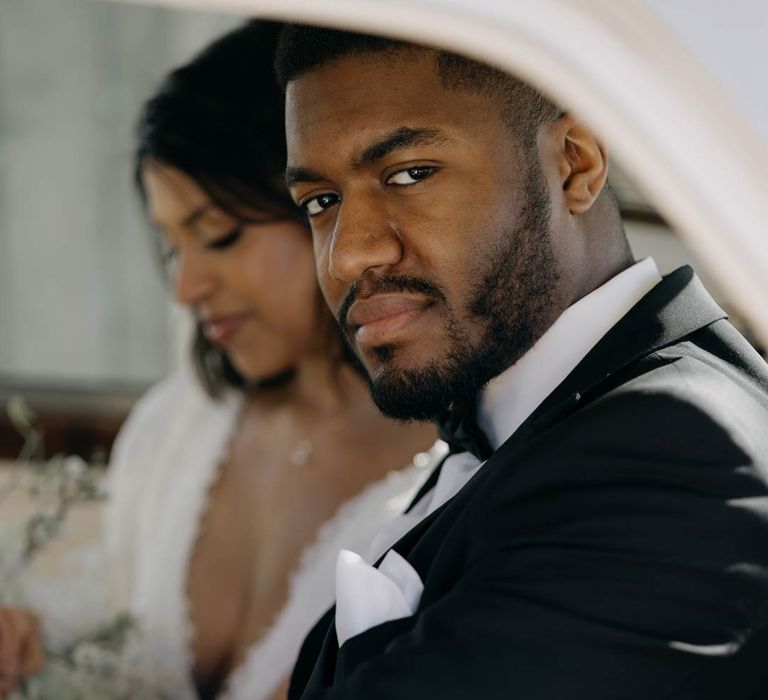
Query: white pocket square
x=367 y=596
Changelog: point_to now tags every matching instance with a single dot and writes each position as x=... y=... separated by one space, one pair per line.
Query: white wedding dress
x=164 y=463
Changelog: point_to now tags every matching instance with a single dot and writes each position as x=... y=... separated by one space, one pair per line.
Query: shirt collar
x=513 y=395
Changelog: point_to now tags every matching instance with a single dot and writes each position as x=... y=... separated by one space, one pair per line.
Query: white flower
x=91 y=653
x=75 y=467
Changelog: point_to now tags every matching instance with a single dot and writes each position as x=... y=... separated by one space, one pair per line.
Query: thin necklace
x=302 y=453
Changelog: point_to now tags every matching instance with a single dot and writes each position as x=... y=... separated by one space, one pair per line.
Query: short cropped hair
x=302 y=49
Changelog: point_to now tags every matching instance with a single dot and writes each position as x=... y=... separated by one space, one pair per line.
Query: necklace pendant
x=301 y=453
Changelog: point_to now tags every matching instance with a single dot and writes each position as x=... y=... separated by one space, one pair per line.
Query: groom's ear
x=582 y=166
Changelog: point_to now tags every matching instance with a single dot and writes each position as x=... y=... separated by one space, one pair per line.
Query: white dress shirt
x=511 y=397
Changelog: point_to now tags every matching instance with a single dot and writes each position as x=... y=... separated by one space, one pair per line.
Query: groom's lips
x=378 y=320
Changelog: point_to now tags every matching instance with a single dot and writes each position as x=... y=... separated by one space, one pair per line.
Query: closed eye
x=410 y=176
x=227 y=240
x=317 y=205
x=167 y=252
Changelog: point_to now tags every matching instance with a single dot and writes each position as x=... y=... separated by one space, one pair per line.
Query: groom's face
x=430 y=225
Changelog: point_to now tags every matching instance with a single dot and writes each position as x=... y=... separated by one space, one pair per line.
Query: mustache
x=390 y=284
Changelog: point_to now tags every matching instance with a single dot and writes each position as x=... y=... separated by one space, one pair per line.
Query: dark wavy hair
x=220 y=120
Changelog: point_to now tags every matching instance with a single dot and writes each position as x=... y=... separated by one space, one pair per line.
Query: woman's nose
x=194 y=278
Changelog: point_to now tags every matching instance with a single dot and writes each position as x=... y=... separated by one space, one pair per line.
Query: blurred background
x=85 y=322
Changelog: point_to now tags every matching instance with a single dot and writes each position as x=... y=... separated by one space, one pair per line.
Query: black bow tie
x=459 y=428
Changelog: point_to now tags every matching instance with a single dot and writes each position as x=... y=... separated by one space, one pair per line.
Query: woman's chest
x=256 y=524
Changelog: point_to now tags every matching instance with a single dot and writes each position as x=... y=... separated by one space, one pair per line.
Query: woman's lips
x=379 y=319
x=222 y=329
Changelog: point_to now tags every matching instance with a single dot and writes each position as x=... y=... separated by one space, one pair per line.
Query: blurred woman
x=236 y=480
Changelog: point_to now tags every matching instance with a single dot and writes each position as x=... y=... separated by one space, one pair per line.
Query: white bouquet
x=90 y=652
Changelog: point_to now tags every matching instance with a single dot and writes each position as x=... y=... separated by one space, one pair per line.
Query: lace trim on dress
x=176 y=455
x=218 y=455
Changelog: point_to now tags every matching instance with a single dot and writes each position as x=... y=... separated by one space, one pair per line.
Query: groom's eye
x=317 y=205
x=410 y=176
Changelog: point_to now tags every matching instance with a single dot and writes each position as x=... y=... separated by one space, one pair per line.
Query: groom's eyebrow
x=294 y=175
x=402 y=137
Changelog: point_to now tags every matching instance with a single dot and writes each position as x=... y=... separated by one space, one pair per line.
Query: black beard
x=421 y=394
x=514 y=299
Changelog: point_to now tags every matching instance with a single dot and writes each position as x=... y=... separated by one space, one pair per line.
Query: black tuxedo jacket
x=614 y=548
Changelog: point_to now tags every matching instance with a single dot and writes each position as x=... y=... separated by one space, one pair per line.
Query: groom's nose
x=365 y=239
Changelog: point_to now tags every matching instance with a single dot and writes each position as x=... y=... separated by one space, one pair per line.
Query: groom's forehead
x=366 y=76
x=373 y=94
